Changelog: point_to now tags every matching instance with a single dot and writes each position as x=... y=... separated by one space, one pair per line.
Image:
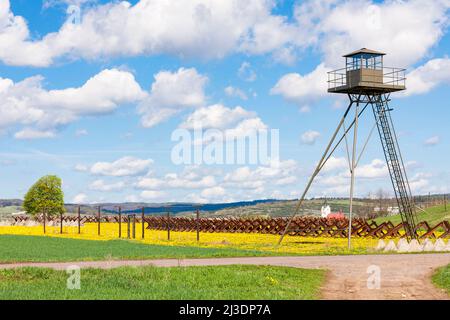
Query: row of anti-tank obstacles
x=301 y=226
x=402 y=246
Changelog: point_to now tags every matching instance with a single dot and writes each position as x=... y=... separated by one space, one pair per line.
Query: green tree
x=45 y=196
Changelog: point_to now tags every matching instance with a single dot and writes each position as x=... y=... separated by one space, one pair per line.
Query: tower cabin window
x=364 y=61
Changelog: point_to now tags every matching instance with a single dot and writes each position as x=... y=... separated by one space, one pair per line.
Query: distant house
x=326 y=213
x=392 y=211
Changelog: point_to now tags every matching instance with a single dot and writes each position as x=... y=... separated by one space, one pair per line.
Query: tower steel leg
x=353 y=168
x=319 y=167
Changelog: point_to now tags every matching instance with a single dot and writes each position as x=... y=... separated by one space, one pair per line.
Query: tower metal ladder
x=395 y=164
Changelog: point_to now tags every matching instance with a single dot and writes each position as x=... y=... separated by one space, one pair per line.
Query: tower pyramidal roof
x=364 y=50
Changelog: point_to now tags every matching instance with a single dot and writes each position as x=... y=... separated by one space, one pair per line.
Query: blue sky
x=95 y=97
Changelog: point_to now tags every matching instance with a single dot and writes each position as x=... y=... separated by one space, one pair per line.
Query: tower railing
x=337 y=78
x=392 y=77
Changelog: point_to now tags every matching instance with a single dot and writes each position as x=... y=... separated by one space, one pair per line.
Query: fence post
x=143 y=227
x=61 y=223
x=120 y=222
x=128 y=226
x=79 y=220
x=43 y=215
x=98 y=218
x=134 y=226
x=168 y=224
x=198 y=225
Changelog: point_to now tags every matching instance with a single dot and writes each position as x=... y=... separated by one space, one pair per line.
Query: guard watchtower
x=364 y=72
x=368 y=85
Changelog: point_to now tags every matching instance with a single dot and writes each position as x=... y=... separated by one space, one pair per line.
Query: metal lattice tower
x=368 y=83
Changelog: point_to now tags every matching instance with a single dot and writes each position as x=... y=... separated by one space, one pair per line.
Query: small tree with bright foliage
x=45 y=197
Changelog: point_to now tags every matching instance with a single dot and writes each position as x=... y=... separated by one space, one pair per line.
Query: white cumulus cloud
x=42 y=111
x=428 y=76
x=126 y=166
x=213 y=193
x=80 y=198
x=432 y=141
x=406 y=30
x=101 y=185
x=235 y=92
x=216 y=116
x=303 y=89
x=310 y=137
x=190 y=28
x=171 y=93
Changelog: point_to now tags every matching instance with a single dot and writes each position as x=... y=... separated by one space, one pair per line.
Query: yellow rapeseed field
x=245 y=241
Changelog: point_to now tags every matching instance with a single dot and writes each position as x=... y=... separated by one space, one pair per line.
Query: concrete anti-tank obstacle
x=390 y=246
x=403 y=245
x=381 y=245
x=415 y=246
x=428 y=245
x=447 y=247
x=439 y=245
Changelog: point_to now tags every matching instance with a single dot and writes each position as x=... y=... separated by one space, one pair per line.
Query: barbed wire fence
x=162 y=226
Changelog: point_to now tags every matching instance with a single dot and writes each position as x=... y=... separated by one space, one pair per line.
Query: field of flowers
x=244 y=241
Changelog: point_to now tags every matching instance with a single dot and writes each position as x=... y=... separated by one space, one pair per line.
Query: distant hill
x=10 y=202
x=14 y=205
x=176 y=208
x=268 y=207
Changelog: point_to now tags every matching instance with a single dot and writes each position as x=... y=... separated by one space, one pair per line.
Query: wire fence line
x=131 y=225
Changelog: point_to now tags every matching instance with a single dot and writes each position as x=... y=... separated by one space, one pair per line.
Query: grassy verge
x=46 y=249
x=442 y=278
x=433 y=215
x=178 y=283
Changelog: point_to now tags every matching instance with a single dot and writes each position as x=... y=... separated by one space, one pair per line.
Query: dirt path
x=405 y=276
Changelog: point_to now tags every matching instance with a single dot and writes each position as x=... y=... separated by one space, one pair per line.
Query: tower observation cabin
x=364 y=72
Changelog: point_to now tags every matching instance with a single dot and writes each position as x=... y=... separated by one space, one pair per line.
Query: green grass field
x=433 y=215
x=442 y=278
x=45 y=249
x=218 y=283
